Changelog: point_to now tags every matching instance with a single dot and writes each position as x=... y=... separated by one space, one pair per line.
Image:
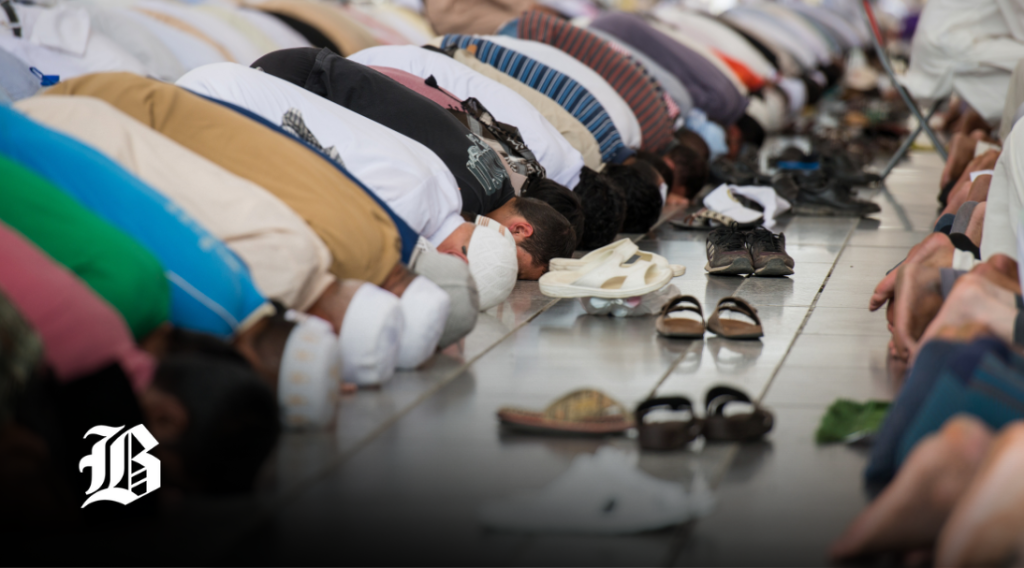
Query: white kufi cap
x=307 y=387
x=425 y=308
x=492 y=261
x=370 y=336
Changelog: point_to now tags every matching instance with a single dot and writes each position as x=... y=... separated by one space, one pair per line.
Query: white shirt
x=405 y=174
x=618 y=109
x=561 y=161
x=281 y=33
x=240 y=48
x=761 y=24
x=137 y=40
x=190 y=51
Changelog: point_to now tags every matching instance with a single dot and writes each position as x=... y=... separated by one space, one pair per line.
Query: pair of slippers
x=591 y=412
x=705 y=218
x=618 y=270
x=670 y=324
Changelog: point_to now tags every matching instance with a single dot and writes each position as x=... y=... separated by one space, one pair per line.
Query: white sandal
x=624 y=249
x=611 y=279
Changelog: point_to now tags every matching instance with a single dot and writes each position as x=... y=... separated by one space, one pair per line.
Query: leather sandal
x=581 y=412
x=669 y=435
x=680 y=327
x=745 y=427
x=732 y=328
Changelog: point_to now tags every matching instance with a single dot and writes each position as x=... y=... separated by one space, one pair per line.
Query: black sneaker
x=727 y=252
x=768 y=253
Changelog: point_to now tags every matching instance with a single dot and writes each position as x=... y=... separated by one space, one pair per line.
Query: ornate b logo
x=128 y=462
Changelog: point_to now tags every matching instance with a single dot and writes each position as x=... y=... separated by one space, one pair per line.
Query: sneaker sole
x=739 y=267
x=775 y=267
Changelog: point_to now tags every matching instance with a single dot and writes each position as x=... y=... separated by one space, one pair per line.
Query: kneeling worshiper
x=210 y=289
x=535 y=118
x=360 y=234
x=287 y=260
x=214 y=415
x=561 y=161
x=399 y=170
x=377 y=97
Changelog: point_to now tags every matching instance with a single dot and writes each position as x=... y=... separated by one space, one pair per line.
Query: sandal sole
x=774 y=267
x=739 y=267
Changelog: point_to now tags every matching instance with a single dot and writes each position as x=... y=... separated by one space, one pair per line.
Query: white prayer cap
x=425 y=308
x=492 y=261
x=452 y=275
x=310 y=377
x=370 y=336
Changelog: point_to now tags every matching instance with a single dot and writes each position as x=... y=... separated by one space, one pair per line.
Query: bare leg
x=961 y=151
x=918 y=298
x=976 y=225
x=935 y=249
x=986 y=526
x=979 y=189
x=909 y=514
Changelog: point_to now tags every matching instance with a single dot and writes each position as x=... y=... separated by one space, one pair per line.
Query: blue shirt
x=211 y=290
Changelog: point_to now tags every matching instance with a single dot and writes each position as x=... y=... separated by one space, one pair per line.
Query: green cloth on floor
x=850 y=421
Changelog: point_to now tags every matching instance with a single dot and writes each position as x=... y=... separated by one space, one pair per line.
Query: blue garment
x=936 y=356
x=711 y=132
x=409 y=237
x=16 y=81
x=994 y=395
x=565 y=91
x=211 y=290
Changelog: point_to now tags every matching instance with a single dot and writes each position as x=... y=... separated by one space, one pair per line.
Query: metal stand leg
x=905 y=146
x=884 y=59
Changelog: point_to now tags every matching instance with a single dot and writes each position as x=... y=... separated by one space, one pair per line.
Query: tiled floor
x=401 y=478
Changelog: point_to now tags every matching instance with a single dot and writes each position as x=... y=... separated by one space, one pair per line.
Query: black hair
x=639 y=183
x=691 y=171
x=233 y=421
x=604 y=206
x=270 y=340
x=752 y=132
x=552 y=237
x=659 y=164
x=184 y=342
x=562 y=200
x=693 y=141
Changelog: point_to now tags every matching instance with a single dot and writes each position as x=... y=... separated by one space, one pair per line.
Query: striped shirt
x=628 y=77
x=569 y=94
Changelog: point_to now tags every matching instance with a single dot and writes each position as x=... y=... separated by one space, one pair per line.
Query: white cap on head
x=452 y=275
x=370 y=336
x=425 y=308
x=492 y=261
x=307 y=387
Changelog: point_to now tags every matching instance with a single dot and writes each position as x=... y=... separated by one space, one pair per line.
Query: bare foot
x=974 y=300
x=961 y=150
x=936 y=250
x=909 y=514
x=1004 y=264
x=918 y=298
x=986 y=526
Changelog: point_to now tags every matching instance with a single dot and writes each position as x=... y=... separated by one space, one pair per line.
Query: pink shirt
x=81 y=333
x=418 y=84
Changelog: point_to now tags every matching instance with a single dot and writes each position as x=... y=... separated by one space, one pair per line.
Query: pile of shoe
x=732 y=251
x=821 y=184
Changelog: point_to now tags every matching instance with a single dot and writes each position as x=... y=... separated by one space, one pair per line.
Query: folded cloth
x=600 y=494
x=766 y=196
x=849 y=421
x=722 y=200
x=934 y=357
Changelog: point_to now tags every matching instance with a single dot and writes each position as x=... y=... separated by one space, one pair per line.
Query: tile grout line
x=284 y=500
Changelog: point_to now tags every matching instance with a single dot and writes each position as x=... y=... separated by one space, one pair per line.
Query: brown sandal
x=669 y=435
x=735 y=329
x=680 y=328
x=746 y=427
x=585 y=411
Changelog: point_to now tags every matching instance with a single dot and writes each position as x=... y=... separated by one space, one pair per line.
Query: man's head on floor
x=491 y=252
x=540 y=232
x=640 y=183
x=562 y=200
x=604 y=208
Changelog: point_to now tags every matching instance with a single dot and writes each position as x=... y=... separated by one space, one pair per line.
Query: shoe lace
x=727 y=238
x=767 y=240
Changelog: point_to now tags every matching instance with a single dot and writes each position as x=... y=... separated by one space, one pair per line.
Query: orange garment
x=752 y=81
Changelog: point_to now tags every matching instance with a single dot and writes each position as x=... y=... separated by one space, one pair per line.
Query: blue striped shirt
x=569 y=94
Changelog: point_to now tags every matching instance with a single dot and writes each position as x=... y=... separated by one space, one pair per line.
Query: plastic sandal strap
x=738 y=305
